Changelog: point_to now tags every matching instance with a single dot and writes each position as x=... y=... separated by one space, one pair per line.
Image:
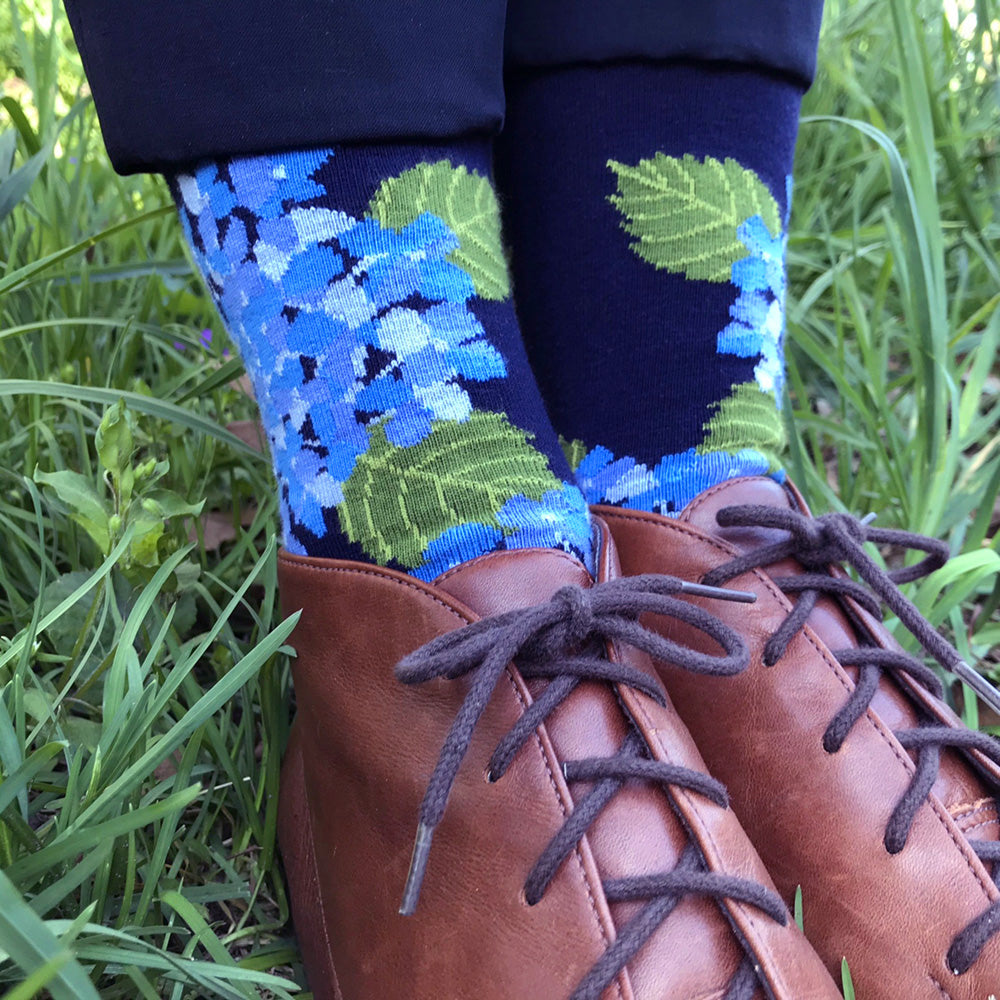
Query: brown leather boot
x=583 y=853
x=850 y=775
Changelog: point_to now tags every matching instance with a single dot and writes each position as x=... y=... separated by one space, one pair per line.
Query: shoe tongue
x=518 y=578
x=701 y=512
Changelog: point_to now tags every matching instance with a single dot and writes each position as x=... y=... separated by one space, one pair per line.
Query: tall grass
x=143 y=670
x=143 y=686
x=893 y=318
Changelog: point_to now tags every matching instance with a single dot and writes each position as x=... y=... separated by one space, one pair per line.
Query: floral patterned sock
x=646 y=206
x=368 y=294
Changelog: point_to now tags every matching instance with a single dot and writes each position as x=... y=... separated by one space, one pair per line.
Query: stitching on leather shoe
x=426 y=593
x=561 y=641
x=969 y=810
x=817 y=544
x=462 y=567
x=968 y=856
x=699 y=501
x=578 y=854
x=314 y=876
x=774 y=966
x=345 y=570
x=944 y=993
x=976 y=816
x=978 y=826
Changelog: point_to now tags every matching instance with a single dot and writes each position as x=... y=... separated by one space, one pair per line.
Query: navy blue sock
x=368 y=293
x=646 y=207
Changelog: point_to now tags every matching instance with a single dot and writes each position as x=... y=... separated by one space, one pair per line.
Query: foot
x=580 y=851
x=852 y=777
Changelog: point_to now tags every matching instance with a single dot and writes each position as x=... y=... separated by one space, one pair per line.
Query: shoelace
x=563 y=642
x=818 y=543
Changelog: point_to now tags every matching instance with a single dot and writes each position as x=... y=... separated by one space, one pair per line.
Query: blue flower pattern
x=666 y=487
x=345 y=325
x=758 y=314
x=756 y=329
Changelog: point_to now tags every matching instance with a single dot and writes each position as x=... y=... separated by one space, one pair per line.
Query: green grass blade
x=32 y=945
x=136 y=401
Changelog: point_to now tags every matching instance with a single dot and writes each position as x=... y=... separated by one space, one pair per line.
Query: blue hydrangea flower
x=469 y=540
x=668 y=486
x=600 y=474
x=344 y=324
x=263 y=184
x=681 y=477
x=429 y=352
x=304 y=469
x=758 y=314
x=557 y=521
x=397 y=265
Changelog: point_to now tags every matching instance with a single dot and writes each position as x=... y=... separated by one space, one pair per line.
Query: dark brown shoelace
x=817 y=543
x=564 y=642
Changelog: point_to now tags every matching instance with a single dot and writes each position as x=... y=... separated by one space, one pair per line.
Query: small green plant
x=130 y=503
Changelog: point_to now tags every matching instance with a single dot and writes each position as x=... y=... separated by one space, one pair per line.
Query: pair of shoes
x=581 y=851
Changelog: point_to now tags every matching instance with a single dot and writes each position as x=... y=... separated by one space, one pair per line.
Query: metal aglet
x=718 y=593
x=978 y=683
x=418 y=867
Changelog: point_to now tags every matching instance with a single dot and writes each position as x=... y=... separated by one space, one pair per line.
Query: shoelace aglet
x=418 y=867
x=977 y=682
x=718 y=593
x=868 y=518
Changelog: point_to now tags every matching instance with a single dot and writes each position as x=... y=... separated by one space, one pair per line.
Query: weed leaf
x=29 y=942
x=847 y=982
x=15 y=187
x=85 y=506
x=8 y=146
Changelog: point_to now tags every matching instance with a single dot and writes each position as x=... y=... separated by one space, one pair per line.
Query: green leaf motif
x=467 y=205
x=684 y=213
x=397 y=500
x=747 y=418
x=575 y=451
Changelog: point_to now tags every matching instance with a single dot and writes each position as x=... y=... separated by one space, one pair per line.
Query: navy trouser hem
x=778 y=36
x=177 y=82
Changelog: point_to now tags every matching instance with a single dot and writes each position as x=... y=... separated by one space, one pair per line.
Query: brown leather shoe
x=850 y=775
x=583 y=853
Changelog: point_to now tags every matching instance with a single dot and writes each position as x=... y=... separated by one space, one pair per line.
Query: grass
x=143 y=670
x=893 y=317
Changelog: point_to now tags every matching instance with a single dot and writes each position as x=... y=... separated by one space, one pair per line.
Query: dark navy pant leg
x=777 y=35
x=176 y=81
